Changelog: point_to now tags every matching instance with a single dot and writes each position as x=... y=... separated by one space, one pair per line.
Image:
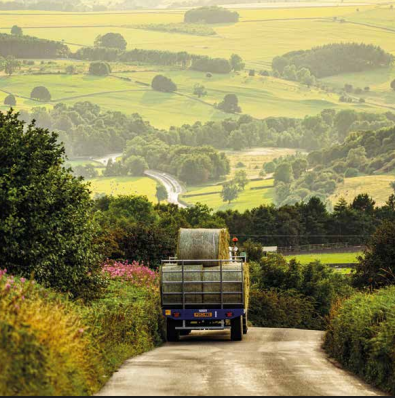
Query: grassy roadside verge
x=50 y=345
x=361 y=337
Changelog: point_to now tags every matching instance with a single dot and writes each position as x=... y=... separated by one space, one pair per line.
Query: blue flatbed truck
x=219 y=307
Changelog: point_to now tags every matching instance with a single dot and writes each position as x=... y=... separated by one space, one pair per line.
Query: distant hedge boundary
x=180 y=59
x=361 y=336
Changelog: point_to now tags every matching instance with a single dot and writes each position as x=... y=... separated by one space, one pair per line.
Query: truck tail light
x=176 y=315
x=229 y=314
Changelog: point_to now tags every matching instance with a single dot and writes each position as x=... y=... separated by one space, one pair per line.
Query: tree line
x=88 y=131
x=181 y=59
x=332 y=59
x=20 y=46
x=211 y=15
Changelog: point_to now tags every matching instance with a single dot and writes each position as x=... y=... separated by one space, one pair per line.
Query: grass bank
x=50 y=345
x=361 y=337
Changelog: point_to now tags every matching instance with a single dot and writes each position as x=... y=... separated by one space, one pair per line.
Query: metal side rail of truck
x=204 y=295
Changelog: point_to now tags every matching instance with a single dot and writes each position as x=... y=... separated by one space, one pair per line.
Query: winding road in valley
x=172 y=185
x=268 y=362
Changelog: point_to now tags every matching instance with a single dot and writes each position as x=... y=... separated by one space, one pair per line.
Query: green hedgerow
x=361 y=336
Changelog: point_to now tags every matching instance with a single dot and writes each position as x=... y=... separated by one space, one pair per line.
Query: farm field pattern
x=261 y=35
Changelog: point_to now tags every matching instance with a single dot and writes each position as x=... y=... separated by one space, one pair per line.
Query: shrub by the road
x=361 y=337
x=276 y=309
x=50 y=345
x=289 y=294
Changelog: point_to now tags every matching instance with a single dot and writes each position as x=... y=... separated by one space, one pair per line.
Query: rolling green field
x=260 y=35
x=116 y=186
x=377 y=187
x=248 y=198
x=259 y=96
x=332 y=258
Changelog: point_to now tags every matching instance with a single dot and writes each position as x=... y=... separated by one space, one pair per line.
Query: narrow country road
x=172 y=185
x=105 y=159
x=269 y=362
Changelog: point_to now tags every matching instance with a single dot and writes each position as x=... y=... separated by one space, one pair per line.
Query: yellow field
x=254 y=158
x=274 y=31
x=116 y=186
x=376 y=186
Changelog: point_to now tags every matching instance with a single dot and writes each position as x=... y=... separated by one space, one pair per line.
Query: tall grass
x=361 y=336
x=52 y=346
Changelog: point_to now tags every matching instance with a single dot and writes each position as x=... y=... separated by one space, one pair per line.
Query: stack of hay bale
x=195 y=245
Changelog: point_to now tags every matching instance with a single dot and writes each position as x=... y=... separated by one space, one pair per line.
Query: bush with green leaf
x=50 y=345
x=315 y=286
x=361 y=336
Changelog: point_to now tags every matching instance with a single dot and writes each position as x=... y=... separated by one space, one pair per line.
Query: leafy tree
x=161 y=193
x=10 y=100
x=351 y=173
x=99 y=68
x=111 y=40
x=211 y=15
x=393 y=85
x=357 y=157
x=241 y=179
x=230 y=104
x=376 y=268
x=270 y=167
x=70 y=69
x=88 y=171
x=136 y=165
x=237 y=63
x=46 y=223
x=164 y=84
x=344 y=120
x=230 y=192
x=41 y=93
x=212 y=65
x=115 y=169
x=299 y=167
x=199 y=90
x=195 y=169
x=283 y=173
x=393 y=185
x=279 y=64
x=11 y=65
x=16 y=31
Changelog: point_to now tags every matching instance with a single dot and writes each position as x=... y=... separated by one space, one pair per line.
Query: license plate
x=203 y=315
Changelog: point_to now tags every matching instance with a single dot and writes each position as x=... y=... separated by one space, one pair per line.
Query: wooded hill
x=335 y=59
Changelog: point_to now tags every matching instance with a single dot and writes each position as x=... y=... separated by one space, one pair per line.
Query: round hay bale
x=203 y=244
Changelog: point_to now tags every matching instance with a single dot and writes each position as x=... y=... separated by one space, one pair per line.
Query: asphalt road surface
x=269 y=362
x=172 y=185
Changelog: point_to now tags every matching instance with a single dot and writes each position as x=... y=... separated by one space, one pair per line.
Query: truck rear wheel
x=245 y=324
x=173 y=335
x=237 y=329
